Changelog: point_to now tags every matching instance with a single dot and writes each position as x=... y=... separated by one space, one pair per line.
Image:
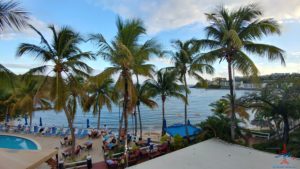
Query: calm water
x=198 y=110
x=12 y=142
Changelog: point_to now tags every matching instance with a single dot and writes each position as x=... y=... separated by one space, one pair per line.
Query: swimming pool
x=18 y=143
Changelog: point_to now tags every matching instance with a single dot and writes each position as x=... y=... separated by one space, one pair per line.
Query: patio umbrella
x=87 y=123
x=41 y=121
x=26 y=123
x=188 y=122
x=164 y=124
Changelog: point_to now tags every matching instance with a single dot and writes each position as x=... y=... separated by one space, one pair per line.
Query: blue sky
x=165 y=20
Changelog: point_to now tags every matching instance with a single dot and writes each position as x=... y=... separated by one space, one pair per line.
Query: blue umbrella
x=41 y=121
x=7 y=118
x=87 y=123
x=188 y=122
x=164 y=124
x=26 y=123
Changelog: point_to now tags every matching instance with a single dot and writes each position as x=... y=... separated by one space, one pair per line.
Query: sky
x=165 y=20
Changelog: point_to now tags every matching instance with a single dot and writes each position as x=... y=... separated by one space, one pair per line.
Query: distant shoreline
x=223 y=88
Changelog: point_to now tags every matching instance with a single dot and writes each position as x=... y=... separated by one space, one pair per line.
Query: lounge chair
x=53 y=131
x=35 y=130
x=65 y=132
x=59 y=131
x=84 y=133
x=78 y=132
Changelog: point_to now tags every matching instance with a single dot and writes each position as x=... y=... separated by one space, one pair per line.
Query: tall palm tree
x=232 y=35
x=144 y=97
x=63 y=59
x=188 y=61
x=120 y=53
x=141 y=68
x=165 y=86
x=99 y=93
x=12 y=16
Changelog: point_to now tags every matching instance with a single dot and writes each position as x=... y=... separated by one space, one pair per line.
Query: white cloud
x=26 y=32
x=171 y=14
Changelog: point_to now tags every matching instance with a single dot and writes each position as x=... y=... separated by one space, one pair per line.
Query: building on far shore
x=245 y=83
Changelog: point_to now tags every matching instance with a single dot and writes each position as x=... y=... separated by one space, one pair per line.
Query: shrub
x=179 y=142
x=164 y=138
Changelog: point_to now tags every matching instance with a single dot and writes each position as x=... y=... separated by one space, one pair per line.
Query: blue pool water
x=19 y=143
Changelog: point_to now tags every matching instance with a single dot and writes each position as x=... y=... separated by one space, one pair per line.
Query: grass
x=272 y=146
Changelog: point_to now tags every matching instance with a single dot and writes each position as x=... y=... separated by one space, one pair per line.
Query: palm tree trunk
x=286 y=129
x=98 y=124
x=135 y=121
x=233 y=125
x=70 y=124
x=185 y=109
x=120 y=125
x=30 y=121
x=138 y=107
x=125 y=108
x=163 y=98
x=140 y=120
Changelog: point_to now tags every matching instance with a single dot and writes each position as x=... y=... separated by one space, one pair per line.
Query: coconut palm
x=278 y=100
x=232 y=35
x=120 y=53
x=188 y=61
x=99 y=94
x=165 y=86
x=12 y=16
x=144 y=97
x=223 y=106
x=63 y=59
x=141 y=68
x=27 y=100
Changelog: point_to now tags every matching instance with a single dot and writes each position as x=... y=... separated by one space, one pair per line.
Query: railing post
x=61 y=164
x=89 y=162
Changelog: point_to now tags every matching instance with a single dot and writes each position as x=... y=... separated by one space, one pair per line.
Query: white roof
x=217 y=154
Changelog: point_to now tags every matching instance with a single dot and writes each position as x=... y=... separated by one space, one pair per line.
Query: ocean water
x=198 y=110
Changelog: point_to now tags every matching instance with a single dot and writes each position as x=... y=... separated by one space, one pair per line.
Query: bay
x=198 y=110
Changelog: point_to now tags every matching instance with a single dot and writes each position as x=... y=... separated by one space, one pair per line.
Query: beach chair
x=78 y=132
x=64 y=132
x=46 y=131
x=35 y=130
x=53 y=131
x=59 y=131
x=84 y=133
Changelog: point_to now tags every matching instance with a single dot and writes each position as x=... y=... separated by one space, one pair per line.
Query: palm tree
x=165 y=86
x=63 y=59
x=277 y=100
x=223 y=106
x=141 y=55
x=188 y=61
x=232 y=35
x=120 y=53
x=12 y=16
x=27 y=100
x=143 y=95
x=99 y=94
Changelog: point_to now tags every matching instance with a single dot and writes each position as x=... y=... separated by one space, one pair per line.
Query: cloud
x=27 y=32
x=171 y=14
